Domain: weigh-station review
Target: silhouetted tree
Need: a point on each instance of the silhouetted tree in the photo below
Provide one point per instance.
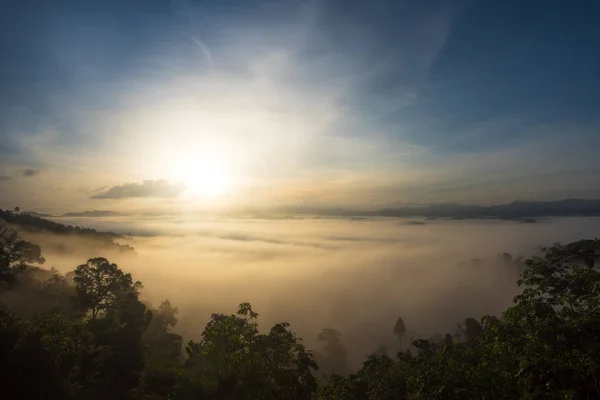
(117, 320)
(100, 285)
(16, 254)
(235, 361)
(399, 329)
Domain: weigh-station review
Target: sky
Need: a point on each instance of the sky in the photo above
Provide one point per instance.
(163, 104)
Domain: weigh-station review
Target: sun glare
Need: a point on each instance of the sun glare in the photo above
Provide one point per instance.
(205, 176)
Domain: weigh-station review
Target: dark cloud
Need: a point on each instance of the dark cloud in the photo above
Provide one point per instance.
(159, 189)
(31, 172)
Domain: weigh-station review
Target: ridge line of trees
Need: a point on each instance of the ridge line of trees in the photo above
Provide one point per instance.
(34, 223)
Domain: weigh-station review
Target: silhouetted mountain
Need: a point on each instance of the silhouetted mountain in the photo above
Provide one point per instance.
(30, 223)
(514, 210)
(35, 214)
(524, 211)
(95, 213)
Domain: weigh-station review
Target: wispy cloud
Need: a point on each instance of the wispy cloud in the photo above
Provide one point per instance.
(327, 102)
(158, 189)
(31, 172)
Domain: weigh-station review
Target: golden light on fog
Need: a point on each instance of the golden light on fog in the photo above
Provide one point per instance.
(206, 176)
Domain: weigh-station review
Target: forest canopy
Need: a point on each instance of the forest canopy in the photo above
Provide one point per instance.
(87, 334)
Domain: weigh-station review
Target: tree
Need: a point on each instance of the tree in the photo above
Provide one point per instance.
(448, 340)
(546, 346)
(163, 352)
(551, 334)
(234, 361)
(100, 285)
(400, 329)
(158, 337)
(29, 370)
(470, 330)
(117, 321)
(16, 254)
(36, 291)
(335, 360)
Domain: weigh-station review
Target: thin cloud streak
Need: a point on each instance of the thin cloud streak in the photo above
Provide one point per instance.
(31, 172)
(157, 189)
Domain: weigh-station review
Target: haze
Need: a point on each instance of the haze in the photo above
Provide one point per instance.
(356, 276)
(194, 123)
(154, 105)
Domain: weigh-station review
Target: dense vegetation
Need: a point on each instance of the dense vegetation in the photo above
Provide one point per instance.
(33, 223)
(87, 335)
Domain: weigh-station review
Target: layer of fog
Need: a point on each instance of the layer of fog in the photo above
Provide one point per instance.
(356, 276)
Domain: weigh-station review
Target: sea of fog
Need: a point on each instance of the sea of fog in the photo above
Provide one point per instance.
(356, 276)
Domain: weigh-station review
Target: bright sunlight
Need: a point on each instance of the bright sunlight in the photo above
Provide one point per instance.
(206, 176)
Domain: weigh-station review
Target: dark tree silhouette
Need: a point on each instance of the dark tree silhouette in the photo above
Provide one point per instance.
(100, 285)
(233, 360)
(16, 254)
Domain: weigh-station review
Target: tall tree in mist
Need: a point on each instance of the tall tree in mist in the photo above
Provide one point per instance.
(163, 351)
(335, 360)
(400, 330)
(470, 330)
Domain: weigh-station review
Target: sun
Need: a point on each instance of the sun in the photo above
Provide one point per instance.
(207, 176)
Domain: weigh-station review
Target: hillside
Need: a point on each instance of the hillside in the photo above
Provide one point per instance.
(28, 222)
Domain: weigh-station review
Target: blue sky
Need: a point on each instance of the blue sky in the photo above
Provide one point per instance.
(329, 102)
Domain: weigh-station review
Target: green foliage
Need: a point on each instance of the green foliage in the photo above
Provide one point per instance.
(16, 254)
(90, 337)
(38, 291)
(102, 286)
(26, 222)
(29, 369)
(116, 320)
(163, 352)
(233, 360)
(546, 346)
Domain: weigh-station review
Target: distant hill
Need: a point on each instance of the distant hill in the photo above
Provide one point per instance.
(515, 210)
(32, 223)
(35, 214)
(95, 213)
(523, 211)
